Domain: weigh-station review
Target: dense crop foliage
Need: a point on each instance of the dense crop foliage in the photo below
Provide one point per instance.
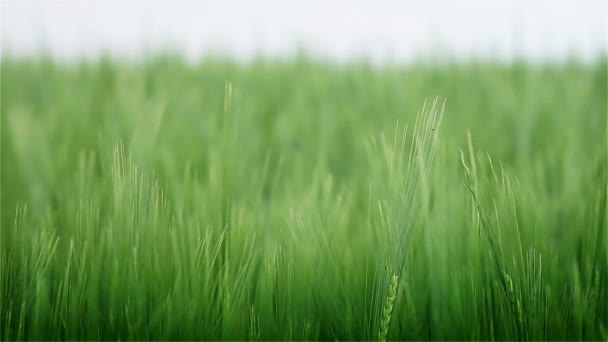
(303, 200)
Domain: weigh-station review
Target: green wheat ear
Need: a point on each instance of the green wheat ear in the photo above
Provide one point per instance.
(514, 300)
(388, 308)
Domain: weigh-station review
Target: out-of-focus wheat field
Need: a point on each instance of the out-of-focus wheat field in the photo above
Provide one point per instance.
(296, 199)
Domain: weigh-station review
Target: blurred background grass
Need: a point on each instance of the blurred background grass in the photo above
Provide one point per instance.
(222, 200)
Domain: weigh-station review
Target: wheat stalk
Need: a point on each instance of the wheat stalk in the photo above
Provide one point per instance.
(387, 309)
(515, 302)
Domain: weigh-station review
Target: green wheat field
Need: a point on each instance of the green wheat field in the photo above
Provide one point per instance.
(298, 199)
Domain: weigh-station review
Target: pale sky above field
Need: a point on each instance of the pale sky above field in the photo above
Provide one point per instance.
(382, 31)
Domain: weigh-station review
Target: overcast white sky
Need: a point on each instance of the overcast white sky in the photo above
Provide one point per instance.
(547, 30)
